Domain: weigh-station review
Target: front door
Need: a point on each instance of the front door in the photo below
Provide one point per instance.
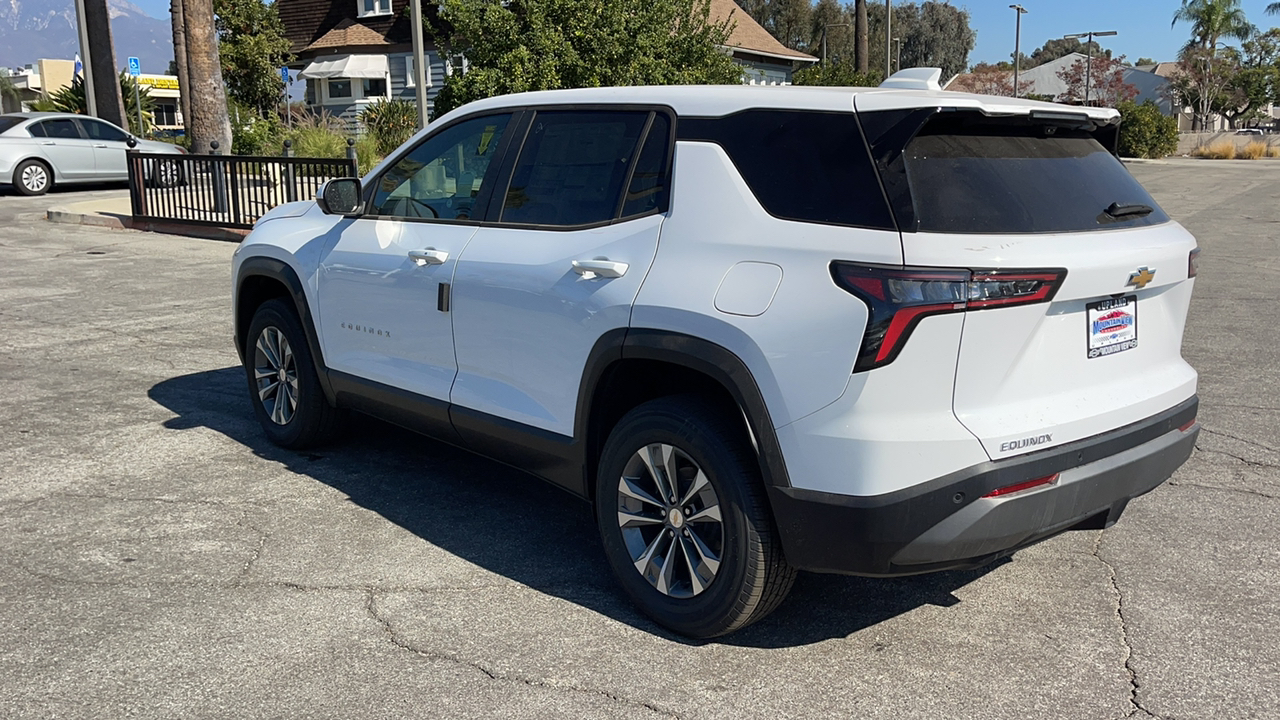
(110, 144)
(381, 302)
(577, 232)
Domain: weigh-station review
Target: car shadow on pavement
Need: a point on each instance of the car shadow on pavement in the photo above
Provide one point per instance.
(514, 525)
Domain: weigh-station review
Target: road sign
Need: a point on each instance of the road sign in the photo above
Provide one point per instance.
(284, 74)
(135, 67)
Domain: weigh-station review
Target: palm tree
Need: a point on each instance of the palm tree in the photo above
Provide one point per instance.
(1212, 20)
(209, 120)
(1273, 8)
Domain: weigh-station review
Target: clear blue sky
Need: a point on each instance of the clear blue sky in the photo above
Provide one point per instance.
(1143, 24)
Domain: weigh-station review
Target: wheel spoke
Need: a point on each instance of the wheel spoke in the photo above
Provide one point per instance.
(656, 459)
(711, 513)
(268, 352)
(266, 391)
(699, 482)
(646, 558)
(629, 488)
(706, 558)
(260, 373)
(668, 568)
(634, 520)
(695, 580)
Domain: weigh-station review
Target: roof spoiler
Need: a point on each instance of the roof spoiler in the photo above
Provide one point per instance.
(918, 78)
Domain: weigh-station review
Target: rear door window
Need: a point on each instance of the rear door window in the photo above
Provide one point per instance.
(60, 128)
(1007, 178)
(574, 167)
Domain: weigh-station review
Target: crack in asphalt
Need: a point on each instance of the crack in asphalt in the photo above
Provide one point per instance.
(166, 500)
(1246, 441)
(257, 550)
(1246, 461)
(397, 640)
(1134, 685)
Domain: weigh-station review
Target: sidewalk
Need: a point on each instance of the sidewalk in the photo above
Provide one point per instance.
(117, 213)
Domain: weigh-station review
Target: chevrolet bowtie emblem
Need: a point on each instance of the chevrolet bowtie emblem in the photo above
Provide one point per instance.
(1140, 278)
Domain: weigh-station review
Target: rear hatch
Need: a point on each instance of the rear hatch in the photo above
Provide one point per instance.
(1038, 197)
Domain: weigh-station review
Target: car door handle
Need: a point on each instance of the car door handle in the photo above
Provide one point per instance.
(600, 267)
(48, 142)
(99, 146)
(428, 256)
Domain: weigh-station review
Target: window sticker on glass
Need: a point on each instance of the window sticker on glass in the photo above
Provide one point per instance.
(1113, 325)
(485, 138)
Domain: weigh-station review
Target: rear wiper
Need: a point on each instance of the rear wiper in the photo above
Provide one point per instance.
(1116, 210)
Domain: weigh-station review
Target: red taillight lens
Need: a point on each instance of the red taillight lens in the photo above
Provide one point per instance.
(1019, 487)
(1193, 263)
(899, 298)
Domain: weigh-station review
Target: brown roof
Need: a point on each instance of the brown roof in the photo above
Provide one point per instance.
(747, 35)
(349, 33)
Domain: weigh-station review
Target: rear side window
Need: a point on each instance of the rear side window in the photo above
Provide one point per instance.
(8, 122)
(967, 177)
(573, 167)
(648, 189)
(61, 128)
(807, 166)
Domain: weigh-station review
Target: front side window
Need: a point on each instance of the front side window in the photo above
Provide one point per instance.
(98, 130)
(573, 168)
(339, 89)
(374, 7)
(442, 177)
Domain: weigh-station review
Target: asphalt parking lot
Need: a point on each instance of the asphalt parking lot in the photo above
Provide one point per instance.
(158, 559)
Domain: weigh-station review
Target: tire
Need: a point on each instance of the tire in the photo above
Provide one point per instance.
(32, 177)
(166, 174)
(679, 588)
(294, 413)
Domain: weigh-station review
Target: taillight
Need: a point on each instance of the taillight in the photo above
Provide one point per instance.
(1193, 263)
(1019, 487)
(899, 298)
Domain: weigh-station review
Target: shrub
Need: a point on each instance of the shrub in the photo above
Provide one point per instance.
(390, 123)
(252, 134)
(1223, 150)
(323, 136)
(1253, 151)
(1145, 132)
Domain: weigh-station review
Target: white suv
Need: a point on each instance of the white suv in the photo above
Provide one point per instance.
(870, 331)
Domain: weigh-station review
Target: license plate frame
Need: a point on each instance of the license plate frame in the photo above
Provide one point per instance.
(1111, 326)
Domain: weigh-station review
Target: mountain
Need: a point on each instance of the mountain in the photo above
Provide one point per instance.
(35, 29)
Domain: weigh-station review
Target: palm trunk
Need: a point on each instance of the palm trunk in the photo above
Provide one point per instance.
(180, 59)
(862, 29)
(102, 57)
(208, 100)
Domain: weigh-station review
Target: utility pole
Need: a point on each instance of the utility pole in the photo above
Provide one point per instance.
(888, 38)
(420, 68)
(1088, 49)
(1017, 46)
(90, 106)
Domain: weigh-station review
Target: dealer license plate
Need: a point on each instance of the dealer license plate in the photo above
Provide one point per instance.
(1113, 325)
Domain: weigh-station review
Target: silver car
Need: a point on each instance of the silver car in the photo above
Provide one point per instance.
(40, 150)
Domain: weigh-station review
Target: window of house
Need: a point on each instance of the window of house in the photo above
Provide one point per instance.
(311, 92)
(573, 168)
(374, 87)
(374, 7)
(339, 88)
(166, 114)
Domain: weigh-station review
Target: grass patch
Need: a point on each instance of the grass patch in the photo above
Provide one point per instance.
(1253, 151)
(1223, 150)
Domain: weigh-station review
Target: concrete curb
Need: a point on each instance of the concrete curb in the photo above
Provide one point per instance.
(121, 222)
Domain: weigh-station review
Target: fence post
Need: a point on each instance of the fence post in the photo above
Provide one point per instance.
(137, 198)
(290, 187)
(219, 182)
(351, 157)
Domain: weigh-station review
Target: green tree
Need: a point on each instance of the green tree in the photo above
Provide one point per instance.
(1144, 61)
(1062, 47)
(1212, 20)
(835, 74)
(1145, 132)
(1254, 83)
(548, 44)
(9, 95)
(933, 34)
(252, 49)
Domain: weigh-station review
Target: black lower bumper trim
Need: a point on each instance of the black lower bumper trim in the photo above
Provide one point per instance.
(827, 532)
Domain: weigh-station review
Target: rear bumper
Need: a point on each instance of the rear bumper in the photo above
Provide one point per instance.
(946, 523)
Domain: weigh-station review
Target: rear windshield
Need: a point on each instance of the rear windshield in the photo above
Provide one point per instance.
(7, 122)
(1028, 179)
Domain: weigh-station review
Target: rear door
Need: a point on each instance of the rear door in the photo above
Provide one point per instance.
(575, 234)
(62, 144)
(998, 195)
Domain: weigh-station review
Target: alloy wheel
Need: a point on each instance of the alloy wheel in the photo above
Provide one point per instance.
(669, 515)
(35, 178)
(276, 375)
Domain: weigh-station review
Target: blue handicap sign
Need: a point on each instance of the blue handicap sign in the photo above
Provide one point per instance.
(135, 67)
(284, 74)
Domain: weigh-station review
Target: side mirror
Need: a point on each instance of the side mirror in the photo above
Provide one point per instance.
(341, 196)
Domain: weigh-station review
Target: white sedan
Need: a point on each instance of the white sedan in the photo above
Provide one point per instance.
(40, 150)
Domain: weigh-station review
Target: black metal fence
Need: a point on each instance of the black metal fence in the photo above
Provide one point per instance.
(230, 191)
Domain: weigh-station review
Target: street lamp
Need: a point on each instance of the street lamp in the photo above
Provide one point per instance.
(824, 39)
(1088, 48)
(1017, 45)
